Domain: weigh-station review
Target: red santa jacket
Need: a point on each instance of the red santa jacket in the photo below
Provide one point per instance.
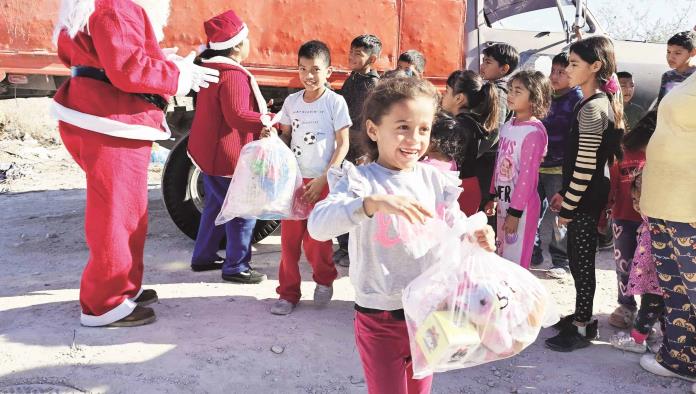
(227, 118)
(121, 41)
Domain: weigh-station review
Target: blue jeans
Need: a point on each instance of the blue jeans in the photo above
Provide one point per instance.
(549, 185)
(238, 231)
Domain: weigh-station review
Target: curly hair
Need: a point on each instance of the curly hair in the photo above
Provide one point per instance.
(539, 88)
(445, 127)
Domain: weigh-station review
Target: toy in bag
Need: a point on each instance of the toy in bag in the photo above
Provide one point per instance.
(472, 306)
(266, 184)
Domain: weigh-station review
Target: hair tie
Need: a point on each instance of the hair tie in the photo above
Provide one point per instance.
(612, 85)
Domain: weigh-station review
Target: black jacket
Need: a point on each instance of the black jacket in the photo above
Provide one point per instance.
(355, 90)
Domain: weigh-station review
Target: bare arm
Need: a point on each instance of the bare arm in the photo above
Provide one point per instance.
(285, 133)
(342, 145)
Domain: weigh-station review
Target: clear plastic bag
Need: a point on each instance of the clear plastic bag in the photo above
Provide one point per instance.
(266, 184)
(472, 307)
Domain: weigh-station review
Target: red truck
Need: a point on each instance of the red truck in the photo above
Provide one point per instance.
(451, 34)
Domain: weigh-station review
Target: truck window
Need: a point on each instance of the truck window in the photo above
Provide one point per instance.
(529, 15)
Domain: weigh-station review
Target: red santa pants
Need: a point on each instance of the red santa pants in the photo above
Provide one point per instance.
(293, 237)
(115, 221)
(385, 353)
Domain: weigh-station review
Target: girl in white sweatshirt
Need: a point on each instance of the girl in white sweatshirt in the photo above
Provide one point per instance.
(383, 206)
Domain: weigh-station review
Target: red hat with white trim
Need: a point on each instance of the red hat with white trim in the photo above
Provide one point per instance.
(225, 31)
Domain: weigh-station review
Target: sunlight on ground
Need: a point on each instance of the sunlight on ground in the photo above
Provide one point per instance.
(54, 356)
(343, 291)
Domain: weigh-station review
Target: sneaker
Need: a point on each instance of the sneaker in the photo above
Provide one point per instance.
(212, 266)
(250, 276)
(282, 307)
(622, 317)
(139, 317)
(322, 295)
(557, 273)
(626, 342)
(146, 298)
(650, 364)
(567, 340)
(340, 257)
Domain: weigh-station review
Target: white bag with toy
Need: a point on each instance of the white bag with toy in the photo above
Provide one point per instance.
(266, 184)
(472, 307)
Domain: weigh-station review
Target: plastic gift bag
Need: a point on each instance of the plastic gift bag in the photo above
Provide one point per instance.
(266, 184)
(472, 307)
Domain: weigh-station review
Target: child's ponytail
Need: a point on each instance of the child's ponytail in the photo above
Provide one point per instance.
(489, 105)
(482, 98)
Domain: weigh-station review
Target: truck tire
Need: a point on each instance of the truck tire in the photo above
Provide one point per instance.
(182, 192)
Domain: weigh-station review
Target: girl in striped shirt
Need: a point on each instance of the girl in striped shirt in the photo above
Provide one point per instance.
(594, 141)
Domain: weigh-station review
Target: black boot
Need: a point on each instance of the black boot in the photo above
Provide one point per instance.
(570, 338)
(564, 322)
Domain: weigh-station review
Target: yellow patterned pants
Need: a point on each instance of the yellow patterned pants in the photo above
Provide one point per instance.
(674, 247)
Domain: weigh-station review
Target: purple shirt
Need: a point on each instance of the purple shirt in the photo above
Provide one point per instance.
(558, 123)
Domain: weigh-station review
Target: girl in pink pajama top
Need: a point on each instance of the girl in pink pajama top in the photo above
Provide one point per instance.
(521, 149)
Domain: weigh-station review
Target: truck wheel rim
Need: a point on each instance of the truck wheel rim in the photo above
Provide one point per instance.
(195, 188)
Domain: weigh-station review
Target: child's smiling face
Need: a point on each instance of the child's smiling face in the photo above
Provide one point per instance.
(314, 72)
(403, 134)
(359, 58)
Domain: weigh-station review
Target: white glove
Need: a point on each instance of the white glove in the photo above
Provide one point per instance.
(171, 54)
(193, 77)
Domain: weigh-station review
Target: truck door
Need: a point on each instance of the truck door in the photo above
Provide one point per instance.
(539, 29)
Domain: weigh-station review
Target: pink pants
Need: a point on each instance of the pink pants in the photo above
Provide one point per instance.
(115, 220)
(293, 238)
(383, 345)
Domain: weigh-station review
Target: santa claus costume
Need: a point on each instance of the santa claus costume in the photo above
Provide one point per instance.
(228, 116)
(109, 112)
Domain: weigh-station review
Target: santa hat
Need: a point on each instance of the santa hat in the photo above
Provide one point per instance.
(225, 31)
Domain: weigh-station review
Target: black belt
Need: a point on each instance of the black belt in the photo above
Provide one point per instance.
(99, 74)
(396, 314)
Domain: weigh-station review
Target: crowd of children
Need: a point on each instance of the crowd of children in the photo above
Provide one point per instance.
(378, 155)
(382, 156)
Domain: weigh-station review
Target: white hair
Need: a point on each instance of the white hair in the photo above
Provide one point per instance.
(74, 16)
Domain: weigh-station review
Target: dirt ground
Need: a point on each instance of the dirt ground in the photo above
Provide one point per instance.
(212, 336)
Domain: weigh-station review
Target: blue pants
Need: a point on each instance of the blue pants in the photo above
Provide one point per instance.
(674, 248)
(238, 231)
(550, 184)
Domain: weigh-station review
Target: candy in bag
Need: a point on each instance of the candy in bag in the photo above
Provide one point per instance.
(472, 306)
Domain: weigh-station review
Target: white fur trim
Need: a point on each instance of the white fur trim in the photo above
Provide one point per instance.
(114, 315)
(107, 126)
(263, 104)
(73, 17)
(232, 42)
(137, 295)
